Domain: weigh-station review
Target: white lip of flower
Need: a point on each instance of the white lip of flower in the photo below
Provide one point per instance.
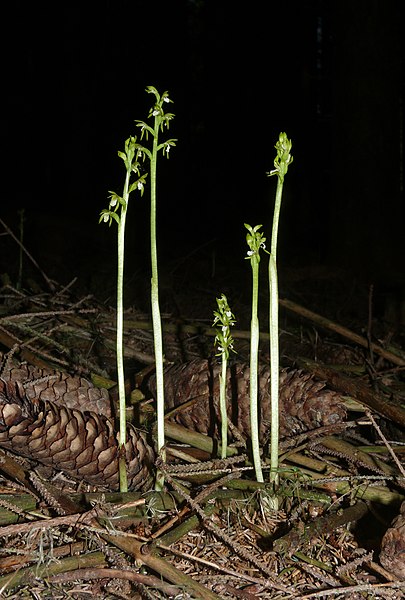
(113, 202)
(167, 148)
(166, 99)
(155, 113)
(251, 252)
(106, 218)
(140, 185)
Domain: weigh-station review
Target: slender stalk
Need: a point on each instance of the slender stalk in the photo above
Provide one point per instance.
(274, 346)
(107, 216)
(119, 342)
(161, 120)
(274, 364)
(254, 364)
(256, 241)
(281, 163)
(156, 319)
(223, 408)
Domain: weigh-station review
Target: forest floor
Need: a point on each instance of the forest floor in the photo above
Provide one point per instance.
(212, 533)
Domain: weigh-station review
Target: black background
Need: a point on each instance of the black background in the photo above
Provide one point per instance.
(330, 74)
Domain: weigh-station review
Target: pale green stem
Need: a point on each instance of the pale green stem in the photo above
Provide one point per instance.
(222, 406)
(274, 344)
(274, 372)
(120, 329)
(156, 320)
(254, 363)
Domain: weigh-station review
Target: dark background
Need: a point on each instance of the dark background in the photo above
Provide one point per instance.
(328, 73)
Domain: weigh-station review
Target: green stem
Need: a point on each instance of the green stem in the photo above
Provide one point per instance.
(120, 330)
(274, 371)
(274, 344)
(156, 320)
(222, 406)
(254, 360)
(281, 164)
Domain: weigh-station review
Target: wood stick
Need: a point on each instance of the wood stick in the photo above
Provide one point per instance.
(343, 331)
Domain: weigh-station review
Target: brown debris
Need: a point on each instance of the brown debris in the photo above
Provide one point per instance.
(392, 555)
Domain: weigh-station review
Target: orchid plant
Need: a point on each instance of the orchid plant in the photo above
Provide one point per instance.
(161, 121)
(117, 211)
(135, 153)
(281, 163)
(224, 319)
(256, 242)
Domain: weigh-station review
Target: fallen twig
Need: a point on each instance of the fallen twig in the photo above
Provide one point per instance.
(341, 330)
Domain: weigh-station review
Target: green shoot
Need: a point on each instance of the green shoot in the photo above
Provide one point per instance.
(224, 320)
(281, 164)
(255, 241)
(130, 157)
(161, 121)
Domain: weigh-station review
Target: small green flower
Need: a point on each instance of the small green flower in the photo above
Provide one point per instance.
(224, 320)
(255, 240)
(283, 158)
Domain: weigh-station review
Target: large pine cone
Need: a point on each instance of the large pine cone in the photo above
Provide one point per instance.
(392, 555)
(56, 386)
(82, 444)
(305, 404)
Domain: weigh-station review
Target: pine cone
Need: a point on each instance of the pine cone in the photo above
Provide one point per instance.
(62, 388)
(81, 444)
(305, 404)
(392, 555)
